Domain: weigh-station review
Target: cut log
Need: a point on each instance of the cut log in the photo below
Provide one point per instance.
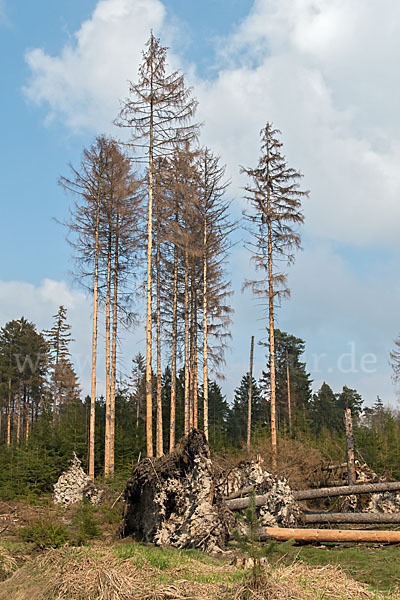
(346, 490)
(368, 518)
(330, 535)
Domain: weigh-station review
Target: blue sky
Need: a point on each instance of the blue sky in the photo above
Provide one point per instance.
(324, 71)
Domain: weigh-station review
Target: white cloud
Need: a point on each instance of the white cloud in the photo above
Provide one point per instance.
(325, 72)
(85, 82)
(321, 70)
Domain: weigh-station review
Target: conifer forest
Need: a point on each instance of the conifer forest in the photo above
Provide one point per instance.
(152, 225)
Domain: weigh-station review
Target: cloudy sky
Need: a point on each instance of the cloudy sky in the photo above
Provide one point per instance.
(325, 72)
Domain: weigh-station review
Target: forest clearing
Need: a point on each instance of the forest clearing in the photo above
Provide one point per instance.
(210, 460)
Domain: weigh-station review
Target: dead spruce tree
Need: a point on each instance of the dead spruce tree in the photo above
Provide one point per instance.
(158, 113)
(215, 228)
(121, 221)
(275, 200)
(87, 184)
(100, 219)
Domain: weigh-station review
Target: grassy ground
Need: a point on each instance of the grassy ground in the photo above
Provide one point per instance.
(89, 561)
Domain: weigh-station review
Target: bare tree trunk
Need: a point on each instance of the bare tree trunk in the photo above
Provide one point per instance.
(18, 416)
(149, 391)
(9, 414)
(159, 425)
(26, 402)
(250, 392)
(195, 369)
(272, 351)
(108, 361)
(329, 535)
(94, 340)
(191, 354)
(288, 392)
(186, 367)
(173, 359)
(351, 469)
(368, 518)
(205, 325)
(114, 356)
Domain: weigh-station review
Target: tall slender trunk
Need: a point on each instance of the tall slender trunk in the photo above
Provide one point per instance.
(272, 350)
(195, 370)
(205, 325)
(289, 402)
(191, 354)
(9, 413)
(186, 392)
(94, 339)
(18, 415)
(26, 402)
(149, 392)
(108, 359)
(173, 359)
(114, 353)
(250, 393)
(159, 426)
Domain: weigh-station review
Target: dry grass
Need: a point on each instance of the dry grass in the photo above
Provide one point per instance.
(302, 582)
(87, 574)
(102, 574)
(8, 564)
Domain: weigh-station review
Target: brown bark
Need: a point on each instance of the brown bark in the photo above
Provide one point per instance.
(186, 366)
(330, 535)
(288, 392)
(159, 427)
(18, 415)
(173, 359)
(272, 348)
(368, 518)
(191, 354)
(94, 339)
(108, 362)
(250, 391)
(9, 414)
(205, 331)
(351, 468)
(195, 371)
(114, 356)
(26, 410)
(149, 392)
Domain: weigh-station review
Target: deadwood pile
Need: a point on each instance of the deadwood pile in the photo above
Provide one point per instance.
(179, 500)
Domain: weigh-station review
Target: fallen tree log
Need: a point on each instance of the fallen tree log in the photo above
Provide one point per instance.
(344, 490)
(329, 535)
(368, 518)
(347, 490)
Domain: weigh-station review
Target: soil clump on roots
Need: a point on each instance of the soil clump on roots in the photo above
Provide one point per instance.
(178, 500)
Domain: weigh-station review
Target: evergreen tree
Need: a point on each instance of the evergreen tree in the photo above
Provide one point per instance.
(288, 352)
(158, 113)
(64, 382)
(275, 198)
(237, 420)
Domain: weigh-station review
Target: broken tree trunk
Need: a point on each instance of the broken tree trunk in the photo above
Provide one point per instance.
(329, 535)
(347, 490)
(351, 468)
(368, 518)
(344, 490)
